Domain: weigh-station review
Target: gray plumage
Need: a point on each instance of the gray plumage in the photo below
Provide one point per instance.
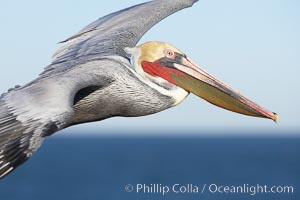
(89, 79)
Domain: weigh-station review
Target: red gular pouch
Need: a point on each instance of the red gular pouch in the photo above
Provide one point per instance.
(156, 69)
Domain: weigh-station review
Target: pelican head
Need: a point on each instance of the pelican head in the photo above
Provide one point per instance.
(172, 73)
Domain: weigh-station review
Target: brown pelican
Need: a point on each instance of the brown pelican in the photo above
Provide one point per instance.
(99, 73)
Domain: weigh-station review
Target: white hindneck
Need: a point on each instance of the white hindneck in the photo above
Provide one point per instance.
(158, 83)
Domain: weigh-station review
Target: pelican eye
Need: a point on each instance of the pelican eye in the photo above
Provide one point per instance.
(169, 53)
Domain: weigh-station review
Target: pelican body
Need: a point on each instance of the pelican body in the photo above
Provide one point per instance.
(100, 73)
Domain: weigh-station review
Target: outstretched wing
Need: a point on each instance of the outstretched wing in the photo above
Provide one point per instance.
(110, 34)
(41, 108)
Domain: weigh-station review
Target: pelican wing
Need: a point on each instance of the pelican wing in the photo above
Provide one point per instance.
(110, 34)
(30, 113)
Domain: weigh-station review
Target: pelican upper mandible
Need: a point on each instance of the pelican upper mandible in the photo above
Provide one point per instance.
(100, 73)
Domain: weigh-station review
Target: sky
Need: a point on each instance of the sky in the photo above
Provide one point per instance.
(252, 45)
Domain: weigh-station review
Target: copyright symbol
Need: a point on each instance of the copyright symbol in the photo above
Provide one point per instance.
(129, 188)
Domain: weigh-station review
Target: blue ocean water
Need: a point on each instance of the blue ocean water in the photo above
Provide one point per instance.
(96, 168)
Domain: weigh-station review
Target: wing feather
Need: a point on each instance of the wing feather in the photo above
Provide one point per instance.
(109, 35)
(16, 144)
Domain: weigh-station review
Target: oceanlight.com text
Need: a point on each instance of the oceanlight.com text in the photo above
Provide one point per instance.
(250, 189)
